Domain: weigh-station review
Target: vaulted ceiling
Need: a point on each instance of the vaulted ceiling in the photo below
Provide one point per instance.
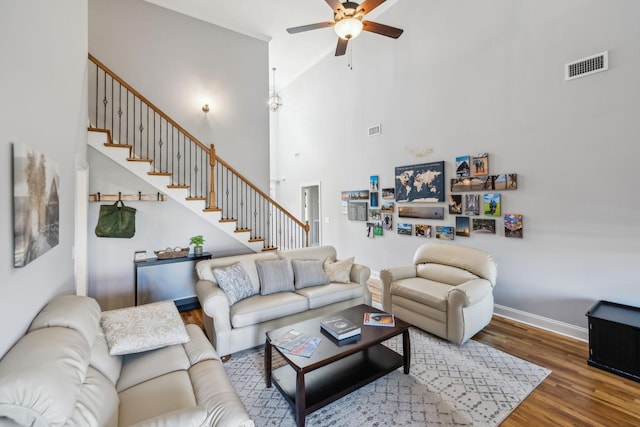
(290, 54)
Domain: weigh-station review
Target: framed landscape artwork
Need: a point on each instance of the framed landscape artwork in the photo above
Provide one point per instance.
(445, 232)
(462, 226)
(420, 183)
(36, 207)
(405, 229)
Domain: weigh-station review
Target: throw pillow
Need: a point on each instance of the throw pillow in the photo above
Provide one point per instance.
(308, 272)
(338, 271)
(142, 328)
(234, 281)
(274, 276)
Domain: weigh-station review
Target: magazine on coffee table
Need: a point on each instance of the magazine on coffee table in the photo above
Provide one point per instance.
(297, 343)
(379, 319)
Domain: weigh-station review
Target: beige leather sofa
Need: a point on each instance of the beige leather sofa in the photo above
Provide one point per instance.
(242, 325)
(447, 290)
(61, 373)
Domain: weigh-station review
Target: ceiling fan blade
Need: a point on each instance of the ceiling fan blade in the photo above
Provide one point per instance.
(384, 30)
(310, 27)
(341, 49)
(368, 5)
(335, 5)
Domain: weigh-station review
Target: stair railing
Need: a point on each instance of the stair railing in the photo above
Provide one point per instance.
(153, 137)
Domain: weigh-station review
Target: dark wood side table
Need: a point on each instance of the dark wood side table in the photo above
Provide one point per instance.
(187, 302)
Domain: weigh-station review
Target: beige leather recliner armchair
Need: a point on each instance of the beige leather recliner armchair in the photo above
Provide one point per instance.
(447, 291)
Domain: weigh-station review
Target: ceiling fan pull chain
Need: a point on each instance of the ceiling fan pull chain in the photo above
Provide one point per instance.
(350, 64)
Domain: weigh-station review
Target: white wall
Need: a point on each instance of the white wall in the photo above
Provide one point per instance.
(158, 225)
(43, 105)
(469, 77)
(177, 62)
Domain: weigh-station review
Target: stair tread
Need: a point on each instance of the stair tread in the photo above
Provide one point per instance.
(178, 186)
(135, 159)
(160, 173)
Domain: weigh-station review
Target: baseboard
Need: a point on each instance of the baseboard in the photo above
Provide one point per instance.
(545, 323)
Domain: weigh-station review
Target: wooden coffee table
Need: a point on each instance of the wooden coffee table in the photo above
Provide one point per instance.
(333, 370)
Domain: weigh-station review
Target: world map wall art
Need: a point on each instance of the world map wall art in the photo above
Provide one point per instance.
(420, 183)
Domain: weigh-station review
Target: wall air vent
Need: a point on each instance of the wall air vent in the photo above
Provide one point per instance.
(375, 130)
(585, 66)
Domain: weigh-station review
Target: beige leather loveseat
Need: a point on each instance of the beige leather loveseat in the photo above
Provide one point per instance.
(447, 290)
(285, 287)
(61, 373)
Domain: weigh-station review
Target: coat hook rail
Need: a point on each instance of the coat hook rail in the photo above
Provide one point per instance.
(99, 197)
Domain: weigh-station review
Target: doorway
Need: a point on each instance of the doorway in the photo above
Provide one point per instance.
(310, 205)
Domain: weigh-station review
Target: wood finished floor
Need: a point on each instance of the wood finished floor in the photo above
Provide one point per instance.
(575, 394)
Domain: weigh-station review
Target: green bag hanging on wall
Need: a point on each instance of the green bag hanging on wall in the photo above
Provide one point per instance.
(116, 221)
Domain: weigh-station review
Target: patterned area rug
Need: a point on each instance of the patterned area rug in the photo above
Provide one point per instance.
(472, 385)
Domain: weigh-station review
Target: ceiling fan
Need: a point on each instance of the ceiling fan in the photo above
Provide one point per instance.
(348, 22)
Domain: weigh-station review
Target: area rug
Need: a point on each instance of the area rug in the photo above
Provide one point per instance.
(448, 385)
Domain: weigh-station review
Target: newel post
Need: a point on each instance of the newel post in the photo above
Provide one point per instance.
(212, 165)
(306, 233)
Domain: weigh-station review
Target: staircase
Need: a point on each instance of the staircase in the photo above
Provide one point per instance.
(130, 130)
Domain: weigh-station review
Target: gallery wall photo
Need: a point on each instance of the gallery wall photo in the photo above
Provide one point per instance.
(36, 208)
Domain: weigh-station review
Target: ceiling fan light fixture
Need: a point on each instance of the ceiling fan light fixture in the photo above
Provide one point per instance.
(348, 28)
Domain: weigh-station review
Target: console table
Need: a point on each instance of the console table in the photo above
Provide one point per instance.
(614, 339)
(159, 276)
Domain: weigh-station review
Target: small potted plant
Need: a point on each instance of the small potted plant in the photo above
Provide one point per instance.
(197, 242)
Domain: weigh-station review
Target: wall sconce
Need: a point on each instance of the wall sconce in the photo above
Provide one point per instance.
(205, 108)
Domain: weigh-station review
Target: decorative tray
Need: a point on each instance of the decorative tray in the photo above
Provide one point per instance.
(172, 253)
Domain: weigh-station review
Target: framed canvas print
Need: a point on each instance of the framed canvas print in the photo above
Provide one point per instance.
(455, 204)
(387, 207)
(373, 199)
(387, 221)
(444, 232)
(427, 212)
(377, 228)
(472, 204)
(462, 226)
(507, 181)
(356, 195)
(375, 214)
(357, 211)
(481, 225)
(462, 166)
(420, 183)
(491, 205)
(388, 193)
(405, 229)
(423, 230)
(480, 164)
(513, 225)
(36, 205)
(373, 183)
(369, 227)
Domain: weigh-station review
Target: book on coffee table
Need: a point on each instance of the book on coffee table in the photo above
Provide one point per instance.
(340, 327)
(379, 319)
(295, 342)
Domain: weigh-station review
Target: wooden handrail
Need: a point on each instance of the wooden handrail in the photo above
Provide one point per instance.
(263, 194)
(146, 101)
(211, 151)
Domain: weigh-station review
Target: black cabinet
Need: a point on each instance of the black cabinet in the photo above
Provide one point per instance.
(164, 279)
(614, 338)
